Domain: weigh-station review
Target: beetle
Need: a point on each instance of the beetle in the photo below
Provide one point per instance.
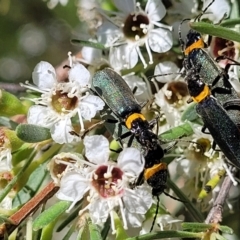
(115, 92)
(215, 118)
(117, 95)
(195, 54)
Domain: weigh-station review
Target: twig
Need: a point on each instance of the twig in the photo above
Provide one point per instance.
(28, 208)
(215, 214)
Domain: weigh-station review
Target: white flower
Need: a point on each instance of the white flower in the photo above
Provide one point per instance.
(164, 68)
(5, 152)
(5, 159)
(171, 98)
(218, 10)
(107, 183)
(87, 11)
(6, 203)
(60, 101)
(197, 166)
(142, 87)
(132, 28)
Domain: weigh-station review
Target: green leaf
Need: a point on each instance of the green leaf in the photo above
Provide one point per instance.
(10, 105)
(70, 217)
(216, 30)
(88, 44)
(32, 133)
(230, 22)
(6, 122)
(167, 234)
(34, 183)
(17, 178)
(183, 130)
(47, 231)
(225, 229)
(106, 228)
(95, 231)
(50, 214)
(197, 227)
(190, 113)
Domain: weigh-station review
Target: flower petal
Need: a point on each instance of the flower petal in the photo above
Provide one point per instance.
(91, 55)
(72, 187)
(160, 40)
(164, 68)
(155, 10)
(217, 11)
(134, 220)
(90, 105)
(138, 200)
(131, 161)
(108, 33)
(142, 94)
(78, 73)
(60, 132)
(99, 211)
(96, 148)
(126, 6)
(124, 56)
(44, 75)
(38, 115)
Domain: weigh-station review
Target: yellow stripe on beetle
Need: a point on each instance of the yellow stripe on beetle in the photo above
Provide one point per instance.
(205, 93)
(133, 117)
(198, 44)
(149, 172)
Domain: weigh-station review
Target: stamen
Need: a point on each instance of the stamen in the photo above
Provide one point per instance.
(197, 180)
(137, 37)
(149, 52)
(112, 222)
(161, 25)
(80, 121)
(235, 183)
(70, 59)
(122, 213)
(32, 87)
(155, 84)
(141, 57)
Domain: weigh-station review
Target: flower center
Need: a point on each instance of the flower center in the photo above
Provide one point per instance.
(136, 26)
(200, 150)
(178, 91)
(107, 181)
(61, 102)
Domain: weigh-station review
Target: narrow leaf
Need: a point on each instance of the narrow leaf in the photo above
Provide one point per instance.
(199, 227)
(216, 30)
(230, 22)
(88, 44)
(95, 231)
(183, 130)
(32, 133)
(167, 234)
(190, 113)
(50, 214)
(226, 229)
